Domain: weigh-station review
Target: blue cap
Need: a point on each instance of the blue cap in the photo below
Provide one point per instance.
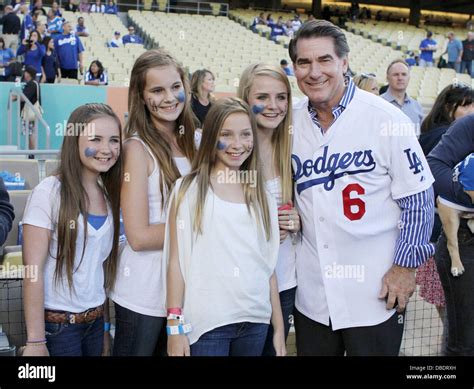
(117, 33)
(465, 172)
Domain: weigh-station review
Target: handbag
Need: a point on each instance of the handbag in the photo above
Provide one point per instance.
(28, 114)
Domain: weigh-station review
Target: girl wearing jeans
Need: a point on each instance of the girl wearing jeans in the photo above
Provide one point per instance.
(71, 232)
(222, 245)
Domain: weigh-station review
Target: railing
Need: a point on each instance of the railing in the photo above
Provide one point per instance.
(165, 6)
(16, 95)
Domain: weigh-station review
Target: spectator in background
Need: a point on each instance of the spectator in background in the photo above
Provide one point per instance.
(6, 213)
(259, 20)
(454, 50)
(16, 4)
(96, 74)
(38, 6)
(42, 28)
(288, 28)
(34, 52)
(296, 23)
(32, 92)
(367, 82)
(27, 25)
(202, 86)
(111, 8)
(84, 6)
(11, 28)
(326, 14)
(56, 9)
(55, 24)
(277, 29)
(454, 102)
(6, 58)
(81, 29)
(69, 49)
(98, 7)
(71, 6)
(270, 19)
(468, 54)
(286, 67)
(117, 41)
(50, 63)
(427, 46)
(131, 37)
(411, 59)
(398, 77)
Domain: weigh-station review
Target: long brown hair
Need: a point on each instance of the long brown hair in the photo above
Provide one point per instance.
(255, 195)
(74, 199)
(140, 123)
(196, 83)
(281, 137)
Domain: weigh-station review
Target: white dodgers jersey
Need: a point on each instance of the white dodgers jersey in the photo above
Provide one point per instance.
(346, 184)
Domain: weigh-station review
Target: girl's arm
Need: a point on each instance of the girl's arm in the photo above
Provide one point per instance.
(106, 347)
(35, 252)
(178, 345)
(277, 319)
(141, 235)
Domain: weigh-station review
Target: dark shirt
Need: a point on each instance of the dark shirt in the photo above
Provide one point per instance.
(50, 65)
(71, 7)
(11, 23)
(455, 145)
(6, 213)
(468, 50)
(428, 140)
(31, 90)
(199, 110)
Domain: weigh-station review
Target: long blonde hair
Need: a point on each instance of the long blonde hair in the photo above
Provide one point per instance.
(140, 123)
(282, 135)
(74, 199)
(255, 195)
(196, 83)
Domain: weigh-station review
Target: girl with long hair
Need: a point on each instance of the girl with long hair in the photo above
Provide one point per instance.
(158, 149)
(267, 90)
(71, 234)
(222, 245)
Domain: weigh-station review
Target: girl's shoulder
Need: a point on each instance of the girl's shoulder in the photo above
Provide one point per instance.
(49, 184)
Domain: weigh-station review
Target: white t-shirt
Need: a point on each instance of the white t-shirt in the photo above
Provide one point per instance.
(226, 269)
(42, 210)
(140, 284)
(286, 265)
(347, 181)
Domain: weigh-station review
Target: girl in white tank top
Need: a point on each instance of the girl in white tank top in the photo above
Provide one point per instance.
(158, 149)
(267, 90)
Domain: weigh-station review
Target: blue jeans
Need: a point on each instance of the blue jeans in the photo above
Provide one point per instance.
(287, 302)
(235, 340)
(75, 340)
(459, 293)
(135, 334)
(455, 65)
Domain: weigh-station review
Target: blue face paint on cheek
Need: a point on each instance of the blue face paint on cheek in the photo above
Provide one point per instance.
(221, 145)
(256, 109)
(90, 152)
(181, 96)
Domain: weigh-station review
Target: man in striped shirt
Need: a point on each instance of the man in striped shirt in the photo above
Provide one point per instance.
(364, 193)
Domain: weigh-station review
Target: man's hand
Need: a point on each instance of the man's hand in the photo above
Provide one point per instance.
(398, 284)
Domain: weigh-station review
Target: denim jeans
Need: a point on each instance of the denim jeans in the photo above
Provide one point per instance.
(75, 340)
(136, 334)
(459, 293)
(287, 302)
(235, 340)
(455, 65)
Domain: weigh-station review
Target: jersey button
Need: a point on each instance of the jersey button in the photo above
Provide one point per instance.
(321, 219)
(326, 246)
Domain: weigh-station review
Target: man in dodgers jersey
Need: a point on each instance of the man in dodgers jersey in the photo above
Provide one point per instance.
(364, 193)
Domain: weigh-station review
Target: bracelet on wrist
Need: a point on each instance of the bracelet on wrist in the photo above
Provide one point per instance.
(174, 311)
(180, 329)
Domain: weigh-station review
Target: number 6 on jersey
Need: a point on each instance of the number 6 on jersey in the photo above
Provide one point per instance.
(354, 208)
